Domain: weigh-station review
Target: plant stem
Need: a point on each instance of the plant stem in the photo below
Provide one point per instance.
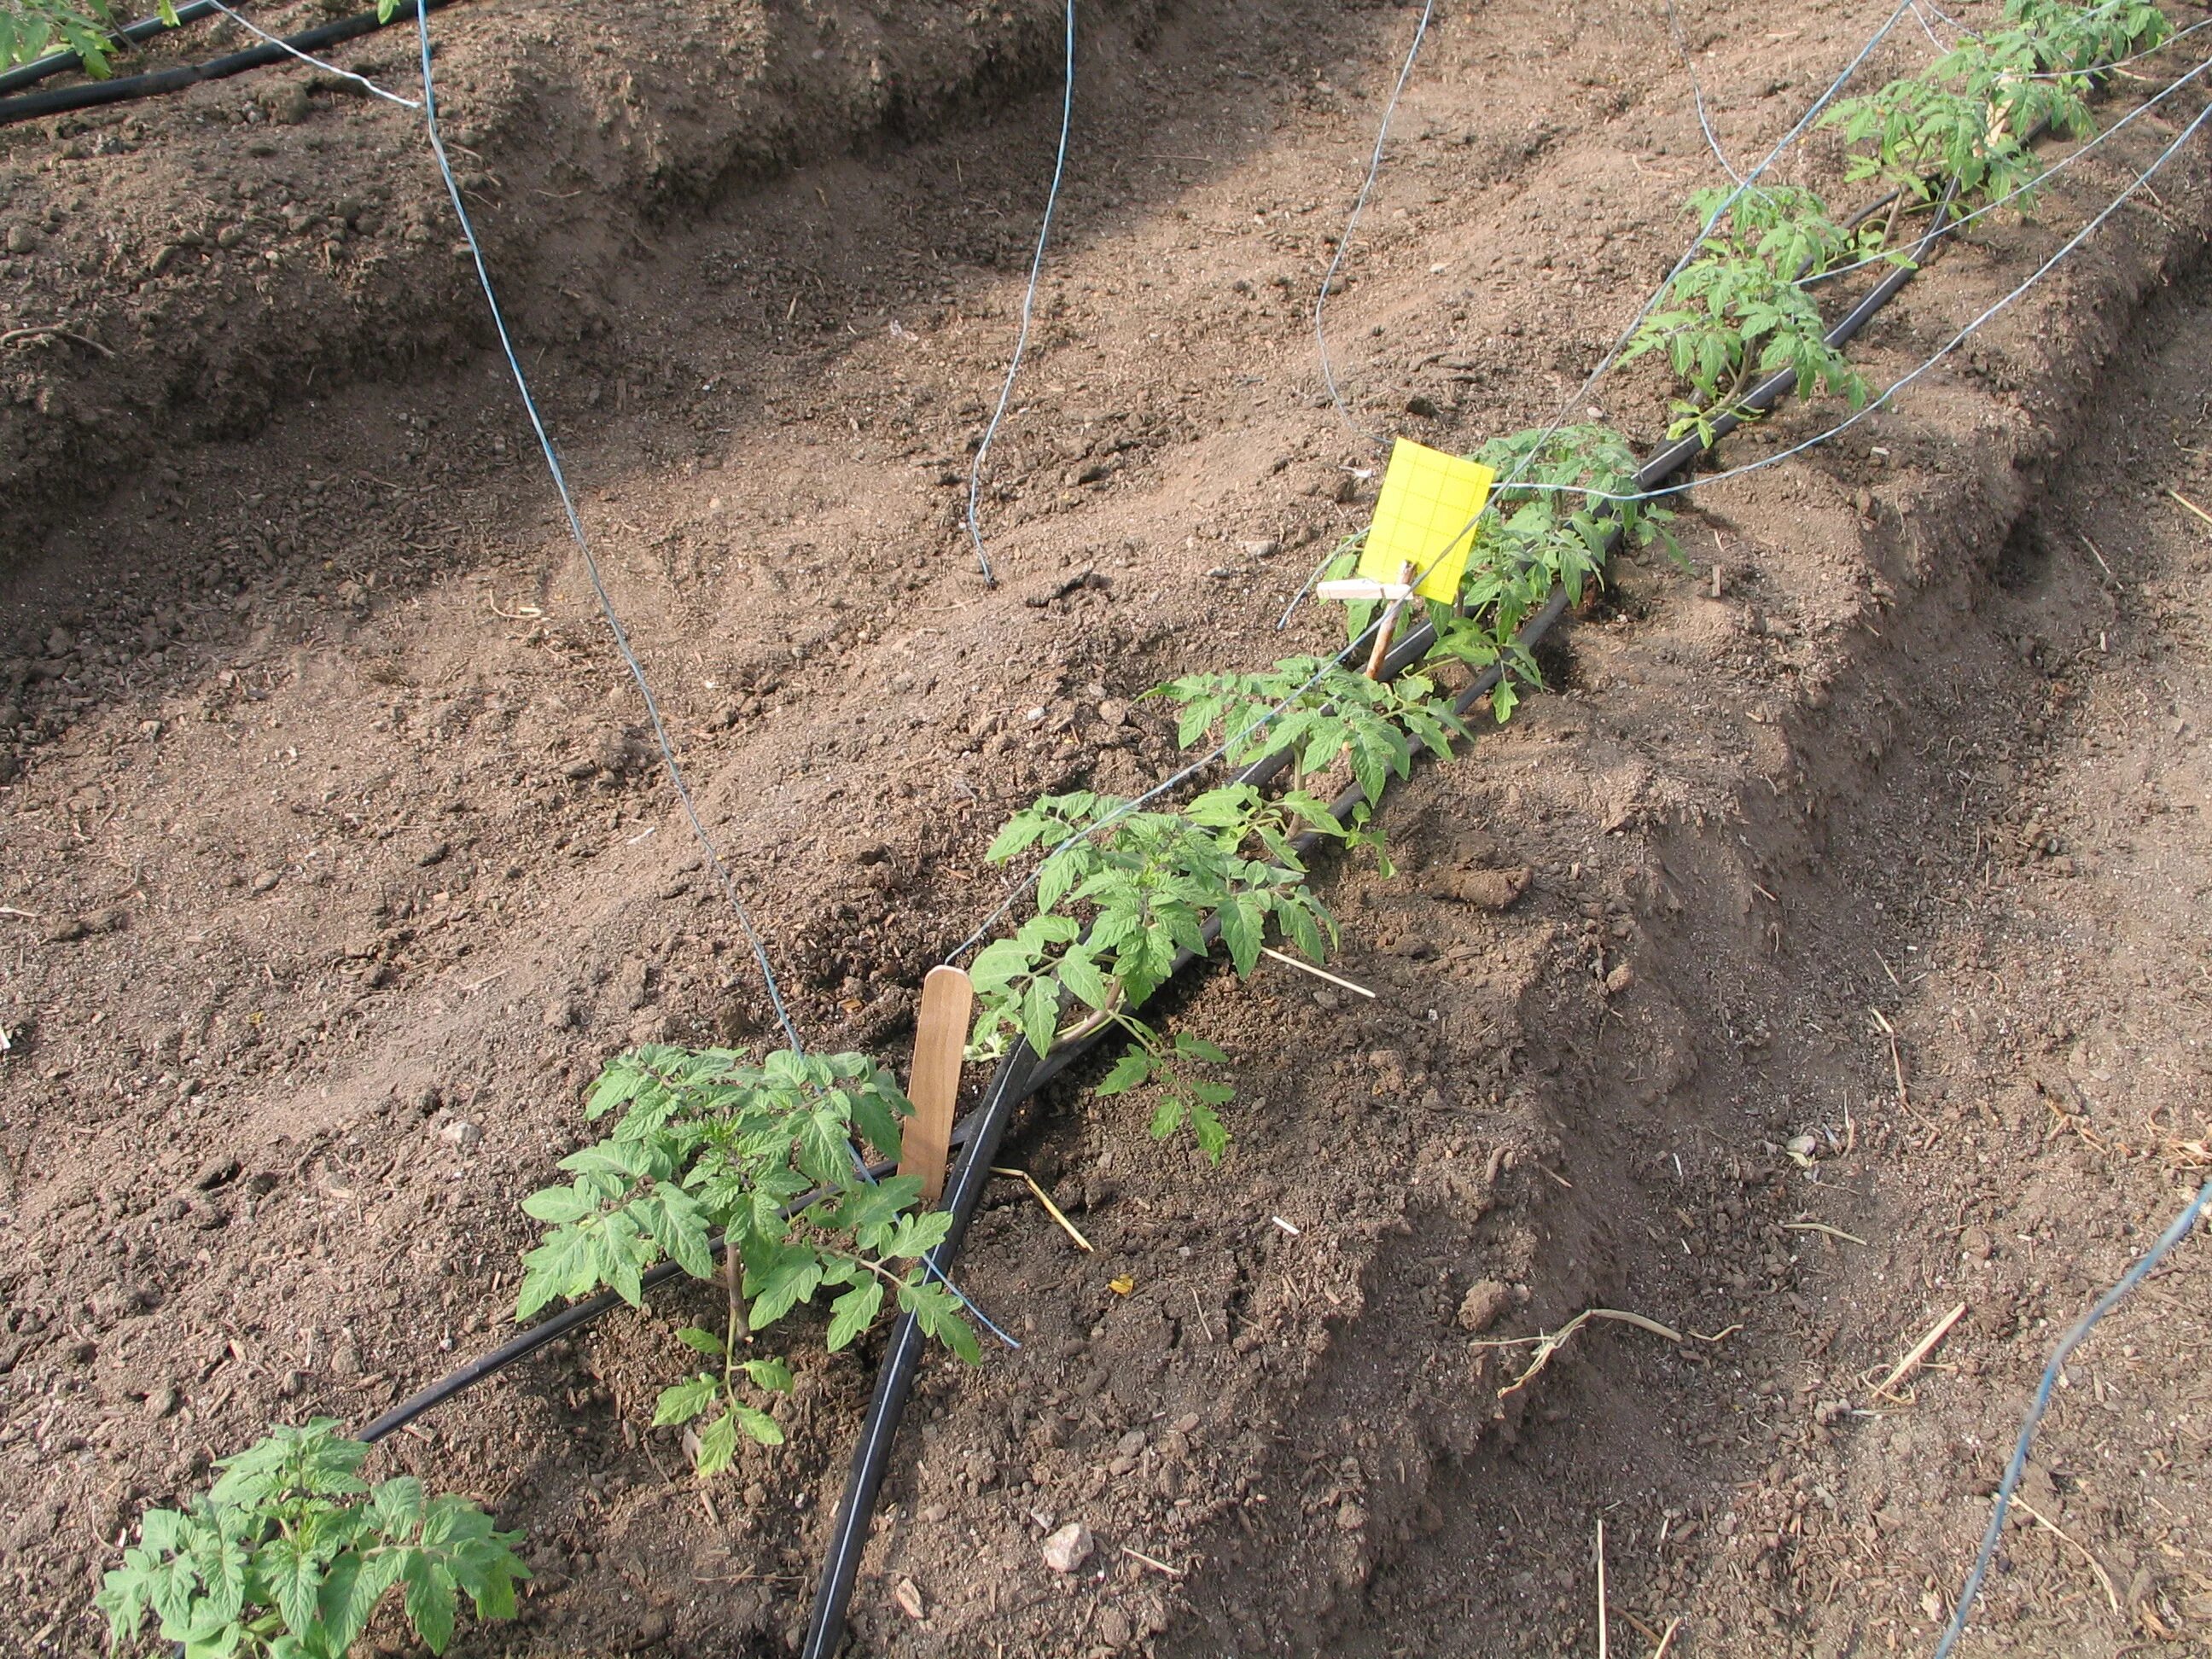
(735, 1330)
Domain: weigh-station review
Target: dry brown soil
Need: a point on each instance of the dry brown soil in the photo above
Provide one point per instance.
(335, 859)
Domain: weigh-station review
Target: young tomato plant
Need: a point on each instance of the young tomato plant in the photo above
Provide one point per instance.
(1537, 533)
(1318, 713)
(708, 1144)
(1147, 884)
(288, 1555)
(2079, 39)
(1736, 313)
(1961, 126)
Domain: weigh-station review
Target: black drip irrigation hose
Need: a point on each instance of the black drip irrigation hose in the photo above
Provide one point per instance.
(59, 63)
(1021, 1073)
(575, 1316)
(32, 105)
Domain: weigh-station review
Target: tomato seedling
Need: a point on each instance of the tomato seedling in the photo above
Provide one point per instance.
(708, 1144)
(288, 1554)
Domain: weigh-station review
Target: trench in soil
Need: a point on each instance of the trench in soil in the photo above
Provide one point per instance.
(342, 850)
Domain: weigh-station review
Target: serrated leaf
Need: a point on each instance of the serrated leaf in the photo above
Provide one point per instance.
(853, 1312)
(1207, 1129)
(559, 1204)
(718, 1445)
(770, 1373)
(671, 1218)
(682, 1401)
(791, 1280)
(428, 1598)
(706, 1342)
(1080, 974)
(291, 1575)
(1167, 1118)
(757, 1425)
(1132, 1069)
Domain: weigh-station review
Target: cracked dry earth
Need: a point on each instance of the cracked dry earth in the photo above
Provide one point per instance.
(337, 859)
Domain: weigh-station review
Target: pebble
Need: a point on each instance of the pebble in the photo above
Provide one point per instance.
(1114, 1628)
(460, 1133)
(21, 239)
(1485, 1300)
(1068, 1548)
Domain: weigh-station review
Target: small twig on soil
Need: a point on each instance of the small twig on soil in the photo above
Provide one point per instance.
(53, 332)
(1205, 1328)
(1667, 1642)
(1295, 1232)
(21, 915)
(2096, 1567)
(1823, 1227)
(1050, 1208)
(1921, 1350)
(2100, 558)
(1896, 1058)
(1602, 1647)
(1891, 971)
(1156, 1565)
(1308, 968)
(2190, 505)
(524, 613)
(1551, 1343)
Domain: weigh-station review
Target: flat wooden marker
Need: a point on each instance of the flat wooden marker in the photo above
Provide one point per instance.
(940, 1040)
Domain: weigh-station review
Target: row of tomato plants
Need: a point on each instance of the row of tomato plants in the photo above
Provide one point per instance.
(289, 1553)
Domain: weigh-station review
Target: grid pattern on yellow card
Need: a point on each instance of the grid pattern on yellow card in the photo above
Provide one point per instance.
(1427, 497)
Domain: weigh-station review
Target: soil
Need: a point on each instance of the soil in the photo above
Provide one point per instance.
(1825, 954)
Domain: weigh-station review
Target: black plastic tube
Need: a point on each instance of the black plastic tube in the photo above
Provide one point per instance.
(573, 1317)
(32, 105)
(1012, 1082)
(1021, 1073)
(59, 63)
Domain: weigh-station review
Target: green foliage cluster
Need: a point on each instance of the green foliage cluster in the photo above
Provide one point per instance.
(1119, 895)
(1962, 126)
(1736, 313)
(29, 29)
(1561, 498)
(708, 1144)
(288, 1554)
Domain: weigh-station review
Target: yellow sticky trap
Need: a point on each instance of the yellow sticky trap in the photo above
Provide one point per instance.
(1427, 496)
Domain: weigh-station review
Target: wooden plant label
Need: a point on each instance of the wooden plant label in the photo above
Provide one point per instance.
(940, 1038)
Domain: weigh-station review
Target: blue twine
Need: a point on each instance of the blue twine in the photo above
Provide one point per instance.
(584, 546)
(1344, 241)
(1029, 305)
(2018, 1465)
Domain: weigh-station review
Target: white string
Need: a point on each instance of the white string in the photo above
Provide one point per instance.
(1344, 241)
(1029, 306)
(252, 27)
(1697, 92)
(429, 108)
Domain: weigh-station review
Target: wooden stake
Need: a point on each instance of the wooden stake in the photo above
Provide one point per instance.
(940, 1039)
(1390, 623)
